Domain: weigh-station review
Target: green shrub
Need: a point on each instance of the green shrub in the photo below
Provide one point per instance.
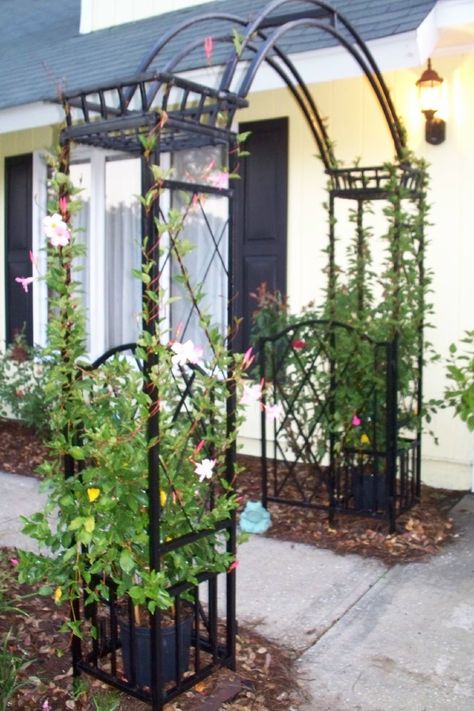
(22, 378)
(460, 392)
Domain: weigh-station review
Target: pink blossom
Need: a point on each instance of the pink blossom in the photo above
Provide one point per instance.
(25, 282)
(248, 358)
(252, 393)
(274, 411)
(233, 566)
(185, 353)
(199, 446)
(205, 469)
(220, 179)
(208, 47)
(63, 204)
(33, 259)
(356, 421)
(45, 706)
(56, 230)
(14, 562)
(298, 344)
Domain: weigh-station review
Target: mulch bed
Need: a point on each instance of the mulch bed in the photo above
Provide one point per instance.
(265, 671)
(265, 679)
(421, 532)
(21, 451)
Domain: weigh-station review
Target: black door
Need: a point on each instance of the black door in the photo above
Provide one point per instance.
(260, 218)
(18, 210)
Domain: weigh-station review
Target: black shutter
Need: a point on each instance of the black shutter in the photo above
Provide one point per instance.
(18, 232)
(261, 217)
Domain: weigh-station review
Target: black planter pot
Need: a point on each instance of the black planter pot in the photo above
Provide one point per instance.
(142, 651)
(369, 491)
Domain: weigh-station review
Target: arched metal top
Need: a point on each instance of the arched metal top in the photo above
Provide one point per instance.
(201, 112)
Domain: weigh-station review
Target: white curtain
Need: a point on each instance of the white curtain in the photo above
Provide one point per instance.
(122, 297)
(122, 289)
(115, 289)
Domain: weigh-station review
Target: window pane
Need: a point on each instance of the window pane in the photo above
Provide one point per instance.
(122, 251)
(206, 228)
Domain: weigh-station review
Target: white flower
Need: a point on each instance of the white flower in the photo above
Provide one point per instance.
(205, 469)
(252, 393)
(274, 411)
(56, 230)
(186, 352)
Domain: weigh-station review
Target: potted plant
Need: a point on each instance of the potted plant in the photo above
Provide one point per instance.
(96, 530)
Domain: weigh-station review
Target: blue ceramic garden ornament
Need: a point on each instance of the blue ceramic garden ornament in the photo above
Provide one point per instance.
(255, 518)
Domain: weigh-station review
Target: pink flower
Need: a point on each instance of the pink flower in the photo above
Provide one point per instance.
(205, 469)
(274, 411)
(63, 204)
(56, 230)
(14, 562)
(45, 706)
(199, 446)
(25, 282)
(219, 179)
(233, 566)
(298, 344)
(248, 358)
(208, 47)
(252, 393)
(186, 352)
(33, 259)
(356, 421)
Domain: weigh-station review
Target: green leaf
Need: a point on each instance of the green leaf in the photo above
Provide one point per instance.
(126, 561)
(76, 523)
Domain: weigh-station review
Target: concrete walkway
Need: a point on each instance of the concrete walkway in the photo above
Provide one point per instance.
(368, 638)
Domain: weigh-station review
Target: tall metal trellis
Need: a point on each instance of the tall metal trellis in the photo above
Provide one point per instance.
(162, 99)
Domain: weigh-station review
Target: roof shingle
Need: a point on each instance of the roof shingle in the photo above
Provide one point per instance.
(42, 51)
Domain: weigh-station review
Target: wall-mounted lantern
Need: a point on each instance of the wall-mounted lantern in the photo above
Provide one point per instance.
(429, 86)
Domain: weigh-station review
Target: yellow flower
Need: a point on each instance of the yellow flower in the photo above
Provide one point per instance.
(364, 439)
(58, 593)
(163, 497)
(93, 494)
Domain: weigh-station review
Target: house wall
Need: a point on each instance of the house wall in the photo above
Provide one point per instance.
(356, 126)
(12, 144)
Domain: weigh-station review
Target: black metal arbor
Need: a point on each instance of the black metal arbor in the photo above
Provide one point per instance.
(161, 99)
